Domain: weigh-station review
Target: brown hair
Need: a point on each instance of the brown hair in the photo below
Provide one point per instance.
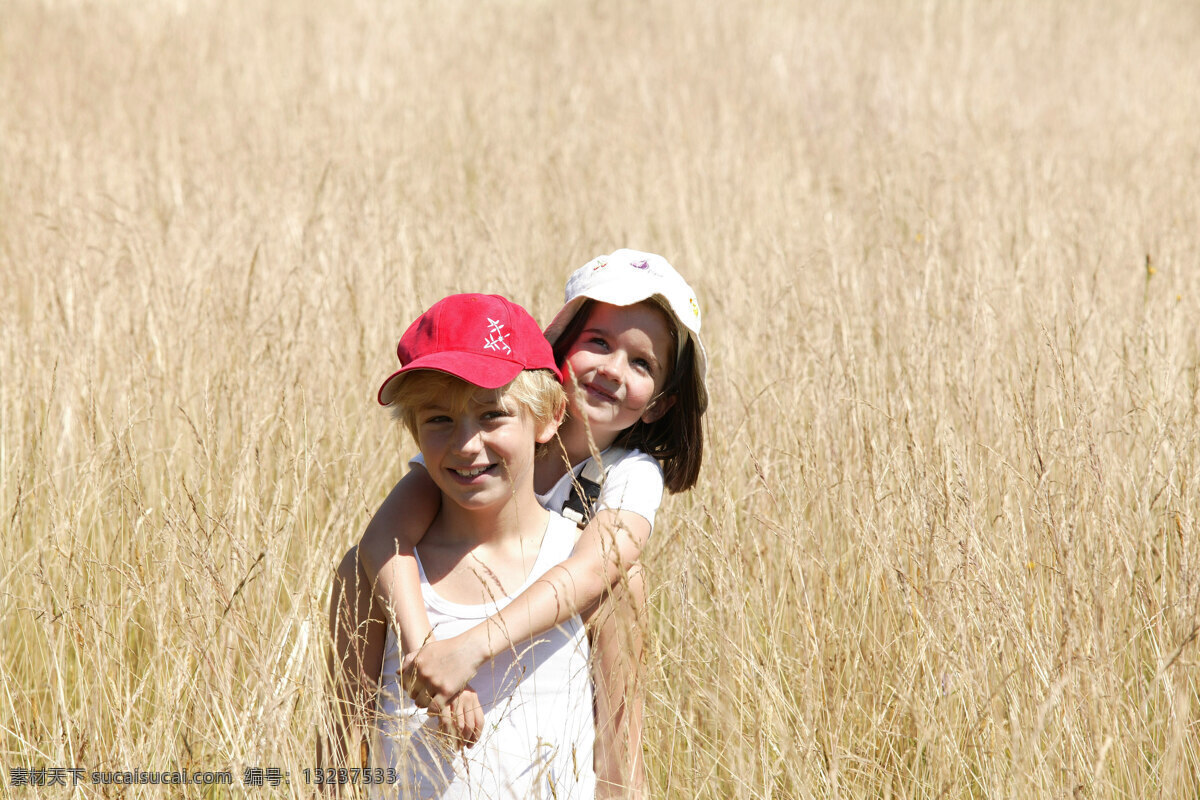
(676, 439)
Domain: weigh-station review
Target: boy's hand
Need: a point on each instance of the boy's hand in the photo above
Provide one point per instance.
(461, 719)
(438, 671)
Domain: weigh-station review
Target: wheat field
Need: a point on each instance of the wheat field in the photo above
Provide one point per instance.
(945, 540)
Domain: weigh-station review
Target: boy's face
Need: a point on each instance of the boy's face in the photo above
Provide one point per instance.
(477, 451)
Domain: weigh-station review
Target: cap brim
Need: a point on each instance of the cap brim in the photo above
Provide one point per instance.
(479, 370)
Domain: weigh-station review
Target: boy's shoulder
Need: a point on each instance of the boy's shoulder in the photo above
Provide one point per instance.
(560, 538)
(558, 526)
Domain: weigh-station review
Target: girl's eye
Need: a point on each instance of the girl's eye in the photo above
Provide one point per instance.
(437, 419)
(642, 364)
(598, 341)
(495, 414)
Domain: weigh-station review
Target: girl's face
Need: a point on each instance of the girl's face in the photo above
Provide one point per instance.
(617, 366)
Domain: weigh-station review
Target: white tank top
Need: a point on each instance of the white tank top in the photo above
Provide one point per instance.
(537, 702)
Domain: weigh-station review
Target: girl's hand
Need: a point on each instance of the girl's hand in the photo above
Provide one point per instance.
(462, 718)
(438, 671)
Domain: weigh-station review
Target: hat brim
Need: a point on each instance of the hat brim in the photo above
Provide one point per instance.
(479, 370)
(563, 318)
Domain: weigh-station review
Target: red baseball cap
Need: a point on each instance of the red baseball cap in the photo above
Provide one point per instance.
(483, 339)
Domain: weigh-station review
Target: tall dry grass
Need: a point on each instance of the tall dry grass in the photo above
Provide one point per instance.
(945, 541)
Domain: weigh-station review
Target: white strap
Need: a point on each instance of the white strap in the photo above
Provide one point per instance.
(594, 472)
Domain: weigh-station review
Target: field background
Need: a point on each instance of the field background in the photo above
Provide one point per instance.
(945, 542)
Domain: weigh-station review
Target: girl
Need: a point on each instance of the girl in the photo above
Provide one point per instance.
(627, 340)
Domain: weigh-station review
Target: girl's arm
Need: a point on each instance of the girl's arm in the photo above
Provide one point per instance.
(386, 551)
(609, 545)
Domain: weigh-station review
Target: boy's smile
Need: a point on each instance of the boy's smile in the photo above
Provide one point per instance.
(474, 472)
(477, 451)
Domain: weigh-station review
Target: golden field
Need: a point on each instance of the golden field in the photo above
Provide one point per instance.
(945, 542)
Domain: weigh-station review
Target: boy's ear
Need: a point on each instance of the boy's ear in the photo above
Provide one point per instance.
(547, 430)
(660, 406)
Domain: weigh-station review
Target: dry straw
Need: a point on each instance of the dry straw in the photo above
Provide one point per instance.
(944, 545)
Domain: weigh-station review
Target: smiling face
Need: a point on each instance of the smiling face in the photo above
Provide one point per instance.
(617, 366)
(478, 444)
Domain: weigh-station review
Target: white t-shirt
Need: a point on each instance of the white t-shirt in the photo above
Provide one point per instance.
(537, 701)
(634, 483)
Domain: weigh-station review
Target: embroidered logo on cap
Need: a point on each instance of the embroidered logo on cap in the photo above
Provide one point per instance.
(494, 339)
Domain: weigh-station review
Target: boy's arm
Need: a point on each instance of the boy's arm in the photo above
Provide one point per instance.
(386, 552)
(608, 546)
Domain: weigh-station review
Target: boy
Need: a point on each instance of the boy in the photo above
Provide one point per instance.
(479, 391)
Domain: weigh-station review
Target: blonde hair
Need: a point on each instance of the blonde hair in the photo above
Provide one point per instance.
(536, 391)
